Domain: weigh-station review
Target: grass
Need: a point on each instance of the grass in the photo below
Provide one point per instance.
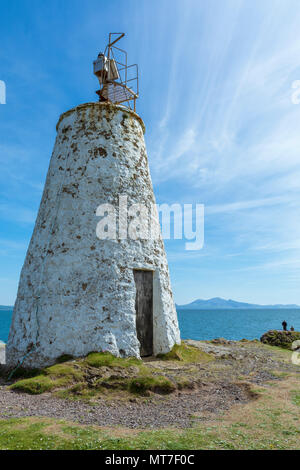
(186, 353)
(184, 383)
(36, 385)
(143, 384)
(269, 423)
(296, 397)
(99, 373)
(279, 374)
(57, 376)
(282, 353)
(48, 434)
(97, 359)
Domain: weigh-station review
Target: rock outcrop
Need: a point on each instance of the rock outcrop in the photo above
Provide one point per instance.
(283, 339)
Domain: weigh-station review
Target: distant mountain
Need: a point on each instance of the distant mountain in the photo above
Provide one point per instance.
(218, 303)
(6, 307)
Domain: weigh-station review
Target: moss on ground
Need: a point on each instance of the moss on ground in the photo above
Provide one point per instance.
(186, 353)
(144, 384)
(184, 383)
(36, 385)
(67, 370)
(272, 421)
(96, 359)
(59, 375)
(98, 372)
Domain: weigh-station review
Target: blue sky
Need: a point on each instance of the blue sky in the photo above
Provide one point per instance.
(216, 85)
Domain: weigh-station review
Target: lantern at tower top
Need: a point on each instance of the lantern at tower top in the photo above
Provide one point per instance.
(119, 82)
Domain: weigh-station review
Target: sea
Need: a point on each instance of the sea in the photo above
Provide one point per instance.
(233, 324)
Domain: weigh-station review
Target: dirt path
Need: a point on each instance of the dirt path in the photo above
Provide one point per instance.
(176, 410)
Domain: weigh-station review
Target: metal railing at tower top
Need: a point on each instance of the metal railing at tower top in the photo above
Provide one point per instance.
(119, 82)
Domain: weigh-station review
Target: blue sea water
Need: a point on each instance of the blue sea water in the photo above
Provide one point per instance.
(234, 324)
(5, 320)
(209, 324)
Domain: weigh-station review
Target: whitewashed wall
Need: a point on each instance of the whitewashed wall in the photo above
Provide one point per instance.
(76, 292)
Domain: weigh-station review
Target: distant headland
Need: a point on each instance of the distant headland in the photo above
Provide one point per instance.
(214, 303)
(219, 303)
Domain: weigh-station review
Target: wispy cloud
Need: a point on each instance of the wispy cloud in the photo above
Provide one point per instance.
(221, 128)
(244, 205)
(17, 214)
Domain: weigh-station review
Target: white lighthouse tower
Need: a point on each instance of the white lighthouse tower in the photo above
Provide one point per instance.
(83, 288)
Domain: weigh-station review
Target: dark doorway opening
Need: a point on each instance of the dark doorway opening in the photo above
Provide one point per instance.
(144, 310)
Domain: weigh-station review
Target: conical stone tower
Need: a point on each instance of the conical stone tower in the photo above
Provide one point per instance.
(80, 293)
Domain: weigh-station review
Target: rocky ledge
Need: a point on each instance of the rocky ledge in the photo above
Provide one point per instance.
(282, 339)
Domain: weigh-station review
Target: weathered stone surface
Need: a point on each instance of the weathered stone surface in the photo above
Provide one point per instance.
(2, 353)
(77, 292)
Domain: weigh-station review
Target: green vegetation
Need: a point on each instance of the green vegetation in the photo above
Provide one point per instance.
(282, 339)
(51, 378)
(97, 359)
(93, 375)
(157, 384)
(184, 383)
(296, 397)
(36, 385)
(185, 353)
(46, 434)
(270, 421)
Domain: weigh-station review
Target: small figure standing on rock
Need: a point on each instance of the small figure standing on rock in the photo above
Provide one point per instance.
(284, 325)
(292, 328)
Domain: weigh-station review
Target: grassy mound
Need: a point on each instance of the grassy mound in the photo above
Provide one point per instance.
(104, 374)
(186, 353)
(96, 359)
(282, 339)
(159, 384)
(59, 375)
